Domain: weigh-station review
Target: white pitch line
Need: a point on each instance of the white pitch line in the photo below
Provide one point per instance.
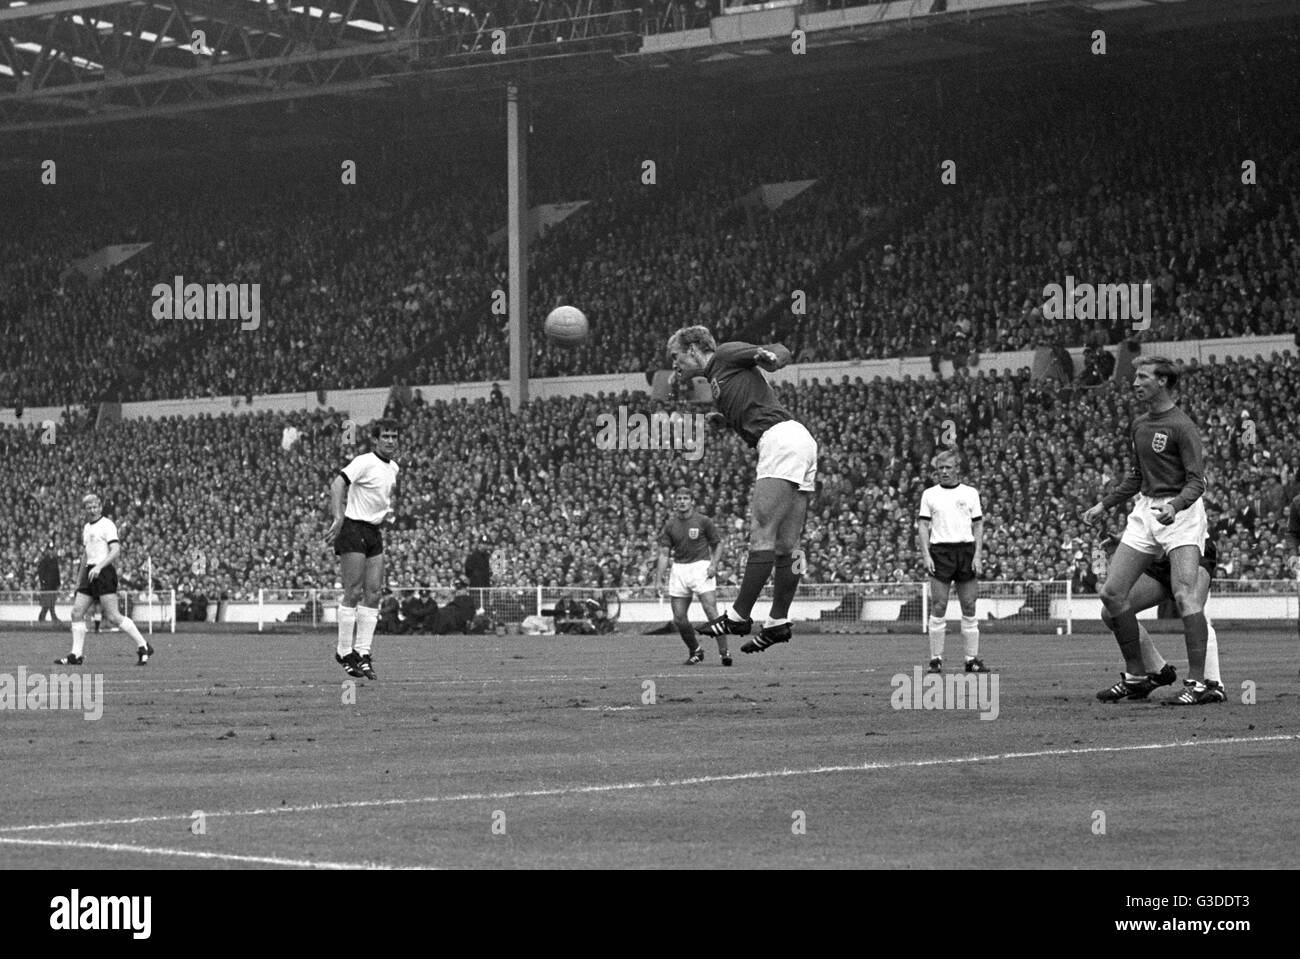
(652, 783)
(418, 683)
(191, 853)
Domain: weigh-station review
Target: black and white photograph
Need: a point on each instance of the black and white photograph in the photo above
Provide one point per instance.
(650, 435)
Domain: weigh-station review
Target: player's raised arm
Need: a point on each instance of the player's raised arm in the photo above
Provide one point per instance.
(772, 357)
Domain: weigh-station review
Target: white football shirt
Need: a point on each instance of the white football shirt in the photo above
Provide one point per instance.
(96, 537)
(951, 510)
(370, 488)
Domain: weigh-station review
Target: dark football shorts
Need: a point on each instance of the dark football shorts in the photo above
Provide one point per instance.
(953, 562)
(105, 584)
(1159, 570)
(359, 537)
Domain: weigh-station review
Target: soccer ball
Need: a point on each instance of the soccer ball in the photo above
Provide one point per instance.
(567, 325)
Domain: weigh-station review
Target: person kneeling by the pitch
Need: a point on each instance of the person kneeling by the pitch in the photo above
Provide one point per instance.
(951, 533)
(1153, 588)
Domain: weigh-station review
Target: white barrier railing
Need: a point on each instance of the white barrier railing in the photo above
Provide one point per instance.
(148, 608)
(1053, 603)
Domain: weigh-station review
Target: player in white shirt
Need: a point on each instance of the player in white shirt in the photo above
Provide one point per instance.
(98, 580)
(951, 533)
(362, 497)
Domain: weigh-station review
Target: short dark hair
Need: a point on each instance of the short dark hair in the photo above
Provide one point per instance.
(1161, 366)
(384, 426)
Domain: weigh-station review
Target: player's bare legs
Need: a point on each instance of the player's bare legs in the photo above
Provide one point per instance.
(352, 569)
(771, 500)
(938, 625)
(1125, 567)
(784, 507)
(108, 603)
(709, 602)
(785, 581)
(1184, 572)
(1144, 594)
(77, 622)
(967, 594)
(681, 606)
(368, 610)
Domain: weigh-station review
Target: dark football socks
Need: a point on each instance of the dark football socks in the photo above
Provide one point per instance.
(688, 636)
(785, 583)
(757, 569)
(1129, 638)
(1197, 630)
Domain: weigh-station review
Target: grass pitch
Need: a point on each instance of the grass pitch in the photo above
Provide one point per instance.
(504, 752)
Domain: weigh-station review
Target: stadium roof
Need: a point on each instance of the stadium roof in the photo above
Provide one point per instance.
(67, 64)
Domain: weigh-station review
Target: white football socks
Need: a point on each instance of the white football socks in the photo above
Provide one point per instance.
(78, 638)
(367, 617)
(970, 634)
(938, 629)
(1212, 655)
(1152, 661)
(347, 623)
(128, 626)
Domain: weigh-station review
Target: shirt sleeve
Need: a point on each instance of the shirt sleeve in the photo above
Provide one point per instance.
(665, 540)
(110, 531)
(925, 505)
(735, 355)
(354, 470)
(711, 533)
(1193, 455)
(1132, 481)
(977, 509)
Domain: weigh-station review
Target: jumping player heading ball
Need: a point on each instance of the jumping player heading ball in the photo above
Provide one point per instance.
(787, 470)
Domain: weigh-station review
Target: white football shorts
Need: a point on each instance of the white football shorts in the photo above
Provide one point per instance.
(690, 579)
(1145, 534)
(787, 451)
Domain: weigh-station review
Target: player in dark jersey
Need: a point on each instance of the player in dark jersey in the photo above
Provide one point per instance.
(1168, 517)
(694, 544)
(786, 478)
(1154, 587)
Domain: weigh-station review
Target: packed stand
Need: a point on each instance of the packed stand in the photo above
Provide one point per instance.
(396, 275)
(228, 505)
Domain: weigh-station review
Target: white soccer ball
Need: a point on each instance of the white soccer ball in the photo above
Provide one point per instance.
(567, 325)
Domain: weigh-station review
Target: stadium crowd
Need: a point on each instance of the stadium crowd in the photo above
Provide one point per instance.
(892, 261)
(227, 505)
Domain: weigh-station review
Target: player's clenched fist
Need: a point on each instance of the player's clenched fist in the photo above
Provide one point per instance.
(1094, 514)
(766, 359)
(1164, 514)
